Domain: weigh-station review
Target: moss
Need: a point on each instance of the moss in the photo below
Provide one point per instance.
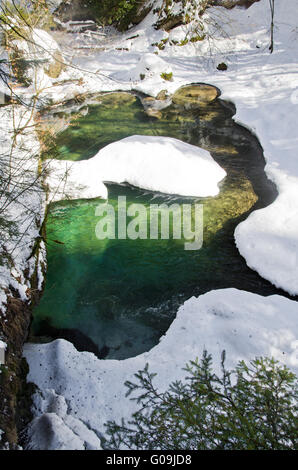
(161, 45)
(167, 76)
(197, 38)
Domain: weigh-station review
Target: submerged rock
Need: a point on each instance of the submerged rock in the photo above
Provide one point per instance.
(194, 95)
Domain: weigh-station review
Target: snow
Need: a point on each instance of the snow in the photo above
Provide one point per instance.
(159, 164)
(27, 211)
(270, 235)
(246, 325)
(149, 65)
(4, 88)
(56, 429)
(42, 49)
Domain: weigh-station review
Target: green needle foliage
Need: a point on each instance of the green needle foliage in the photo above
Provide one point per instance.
(118, 12)
(251, 407)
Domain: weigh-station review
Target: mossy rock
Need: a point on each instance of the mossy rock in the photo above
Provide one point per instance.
(195, 94)
(162, 95)
(170, 22)
(55, 68)
(222, 67)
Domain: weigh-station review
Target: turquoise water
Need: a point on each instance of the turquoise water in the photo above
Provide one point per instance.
(117, 297)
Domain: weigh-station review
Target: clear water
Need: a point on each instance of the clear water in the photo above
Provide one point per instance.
(118, 297)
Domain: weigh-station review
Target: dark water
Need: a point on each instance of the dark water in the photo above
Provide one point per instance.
(117, 297)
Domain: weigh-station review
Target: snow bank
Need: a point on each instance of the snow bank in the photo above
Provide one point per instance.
(268, 239)
(244, 324)
(41, 48)
(159, 164)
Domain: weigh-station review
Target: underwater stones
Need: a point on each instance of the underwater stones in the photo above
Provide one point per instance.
(115, 99)
(153, 113)
(153, 107)
(162, 95)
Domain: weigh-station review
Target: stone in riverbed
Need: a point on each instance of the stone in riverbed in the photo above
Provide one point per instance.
(195, 94)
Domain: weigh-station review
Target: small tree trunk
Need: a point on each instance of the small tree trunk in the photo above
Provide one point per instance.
(272, 7)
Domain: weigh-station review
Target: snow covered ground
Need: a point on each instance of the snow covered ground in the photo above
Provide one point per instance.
(264, 88)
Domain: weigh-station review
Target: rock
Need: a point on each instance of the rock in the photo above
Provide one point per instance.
(222, 66)
(50, 432)
(153, 113)
(233, 3)
(55, 67)
(195, 94)
(162, 95)
(170, 22)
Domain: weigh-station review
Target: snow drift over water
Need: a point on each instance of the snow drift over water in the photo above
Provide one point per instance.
(159, 164)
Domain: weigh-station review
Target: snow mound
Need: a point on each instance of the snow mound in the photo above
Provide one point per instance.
(41, 47)
(243, 324)
(159, 164)
(41, 53)
(55, 429)
(148, 66)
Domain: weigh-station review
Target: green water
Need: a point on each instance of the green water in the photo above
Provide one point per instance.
(124, 294)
